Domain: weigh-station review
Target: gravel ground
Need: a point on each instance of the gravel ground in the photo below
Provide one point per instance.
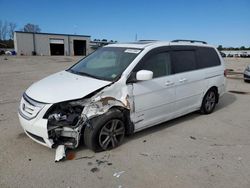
(192, 151)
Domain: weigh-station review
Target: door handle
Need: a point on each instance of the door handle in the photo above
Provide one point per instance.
(169, 83)
(183, 80)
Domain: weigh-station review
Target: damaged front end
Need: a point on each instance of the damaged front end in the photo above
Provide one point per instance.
(67, 120)
(65, 123)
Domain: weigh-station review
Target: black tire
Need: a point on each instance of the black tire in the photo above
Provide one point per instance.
(209, 101)
(106, 131)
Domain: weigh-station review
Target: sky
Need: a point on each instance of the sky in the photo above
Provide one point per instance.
(219, 22)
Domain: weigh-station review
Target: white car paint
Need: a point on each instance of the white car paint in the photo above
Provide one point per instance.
(64, 86)
(150, 102)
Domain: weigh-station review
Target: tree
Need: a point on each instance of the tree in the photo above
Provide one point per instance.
(242, 48)
(11, 30)
(31, 28)
(3, 30)
(220, 47)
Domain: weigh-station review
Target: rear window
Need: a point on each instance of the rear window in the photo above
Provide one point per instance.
(183, 60)
(207, 57)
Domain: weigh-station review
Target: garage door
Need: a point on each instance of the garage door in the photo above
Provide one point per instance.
(56, 47)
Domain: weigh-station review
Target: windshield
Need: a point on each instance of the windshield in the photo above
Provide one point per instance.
(107, 63)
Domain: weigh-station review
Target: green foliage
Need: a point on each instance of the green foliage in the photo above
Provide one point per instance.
(6, 43)
(220, 47)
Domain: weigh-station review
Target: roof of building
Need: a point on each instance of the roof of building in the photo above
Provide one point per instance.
(54, 34)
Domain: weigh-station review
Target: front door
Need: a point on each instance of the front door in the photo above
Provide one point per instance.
(154, 99)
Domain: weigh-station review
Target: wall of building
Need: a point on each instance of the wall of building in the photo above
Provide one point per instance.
(24, 43)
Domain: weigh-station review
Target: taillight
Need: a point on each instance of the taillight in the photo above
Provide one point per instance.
(225, 72)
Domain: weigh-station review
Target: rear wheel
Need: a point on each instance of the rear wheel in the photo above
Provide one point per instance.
(106, 132)
(209, 101)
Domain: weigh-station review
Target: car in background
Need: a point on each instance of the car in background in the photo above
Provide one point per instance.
(247, 74)
(244, 55)
(223, 54)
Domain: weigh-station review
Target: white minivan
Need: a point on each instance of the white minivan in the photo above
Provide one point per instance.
(121, 89)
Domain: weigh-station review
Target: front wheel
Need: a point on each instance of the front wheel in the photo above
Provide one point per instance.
(106, 132)
(209, 102)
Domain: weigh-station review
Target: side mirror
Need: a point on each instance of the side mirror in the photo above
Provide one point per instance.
(144, 75)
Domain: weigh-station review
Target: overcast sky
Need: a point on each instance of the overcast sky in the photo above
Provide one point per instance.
(225, 22)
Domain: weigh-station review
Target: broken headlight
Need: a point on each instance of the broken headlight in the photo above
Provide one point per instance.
(65, 114)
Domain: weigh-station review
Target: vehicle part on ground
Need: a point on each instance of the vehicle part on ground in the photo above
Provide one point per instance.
(60, 153)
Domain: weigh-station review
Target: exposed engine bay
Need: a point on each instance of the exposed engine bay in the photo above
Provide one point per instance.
(67, 120)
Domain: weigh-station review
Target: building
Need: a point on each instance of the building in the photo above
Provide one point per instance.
(51, 44)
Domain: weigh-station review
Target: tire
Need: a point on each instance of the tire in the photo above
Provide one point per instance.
(106, 131)
(209, 102)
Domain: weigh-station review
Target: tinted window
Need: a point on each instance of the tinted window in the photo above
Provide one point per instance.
(207, 57)
(183, 61)
(159, 64)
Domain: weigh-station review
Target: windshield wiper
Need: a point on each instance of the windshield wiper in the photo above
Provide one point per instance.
(83, 74)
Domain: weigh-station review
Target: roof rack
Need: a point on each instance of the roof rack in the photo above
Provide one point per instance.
(147, 40)
(191, 41)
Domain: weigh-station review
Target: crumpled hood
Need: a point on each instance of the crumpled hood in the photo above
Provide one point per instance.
(63, 86)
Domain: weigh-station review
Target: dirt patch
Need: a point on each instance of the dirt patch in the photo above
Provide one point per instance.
(21, 135)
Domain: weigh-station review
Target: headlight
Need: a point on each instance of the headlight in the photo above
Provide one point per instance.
(64, 114)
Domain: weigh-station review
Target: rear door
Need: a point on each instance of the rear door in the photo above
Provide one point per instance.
(189, 80)
(154, 99)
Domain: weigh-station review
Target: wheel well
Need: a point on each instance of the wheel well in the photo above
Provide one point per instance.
(129, 126)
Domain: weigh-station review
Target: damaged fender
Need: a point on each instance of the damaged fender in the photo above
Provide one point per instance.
(116, 95)
(63, 129)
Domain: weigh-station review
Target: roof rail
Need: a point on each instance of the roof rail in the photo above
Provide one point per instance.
(147, 40)
(191, 41)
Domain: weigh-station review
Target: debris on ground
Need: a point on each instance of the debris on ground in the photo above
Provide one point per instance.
(85, 157)
(70, 155)
(144, 154)
(144, 141)
(118, 174)
(95, 169)
(60, 153)
(99, 162)
(192, 137)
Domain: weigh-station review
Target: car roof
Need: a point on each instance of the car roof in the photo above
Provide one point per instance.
(156, 43)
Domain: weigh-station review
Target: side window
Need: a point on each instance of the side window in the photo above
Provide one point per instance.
(183, 61)
(159, 64)
(207, 57)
